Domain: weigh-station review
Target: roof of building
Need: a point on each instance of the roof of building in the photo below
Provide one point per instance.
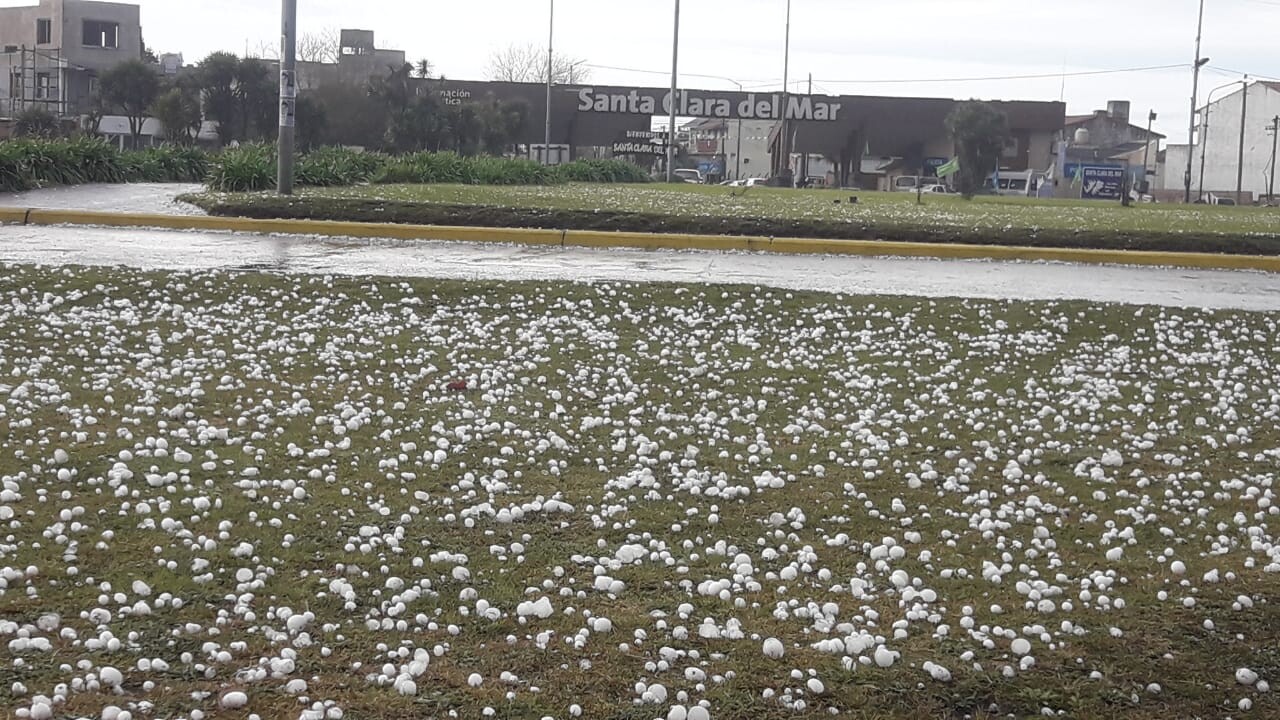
(1072, 120)
(1274, 85)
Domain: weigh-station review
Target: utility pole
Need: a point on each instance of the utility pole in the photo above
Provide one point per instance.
(675, 77)
(1195, 95)
(804, 157)
(288, 95)
(1146, 153)
(551, 36)
(1244, 115)
(784, 139)
(1275, 138)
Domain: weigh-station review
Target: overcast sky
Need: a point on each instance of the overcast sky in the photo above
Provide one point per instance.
(846, 44)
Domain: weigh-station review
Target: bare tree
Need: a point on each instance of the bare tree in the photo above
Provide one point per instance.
(320, 47)
(264, 50)
(423, 68)
(528, 64)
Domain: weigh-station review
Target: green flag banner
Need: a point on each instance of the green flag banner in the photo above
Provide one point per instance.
(951, 167)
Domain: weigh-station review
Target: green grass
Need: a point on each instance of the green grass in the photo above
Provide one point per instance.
(781, 212)
(259, 371)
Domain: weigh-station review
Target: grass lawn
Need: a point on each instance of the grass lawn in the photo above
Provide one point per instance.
(779, 212)
(224, 494)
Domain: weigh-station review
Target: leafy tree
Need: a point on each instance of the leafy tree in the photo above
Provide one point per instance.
(178, 110)
(979, 132)
(528, 64)
(350, 117)
(217, 78)
(311, 122)
(37, 122)
(257, 95)
(132, 87)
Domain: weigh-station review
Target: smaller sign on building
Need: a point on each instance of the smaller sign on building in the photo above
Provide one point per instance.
(1101, 183)
(638, 147)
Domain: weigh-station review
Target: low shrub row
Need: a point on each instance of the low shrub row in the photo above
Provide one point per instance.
(250, 168)
(32, 163)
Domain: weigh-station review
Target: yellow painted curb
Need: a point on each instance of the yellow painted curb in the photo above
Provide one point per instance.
(643, 241)
(13, 216)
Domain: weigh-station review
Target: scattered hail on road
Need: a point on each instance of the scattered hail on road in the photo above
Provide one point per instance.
(245, 495)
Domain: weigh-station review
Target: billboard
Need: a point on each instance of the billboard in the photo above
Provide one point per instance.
(1101, 182)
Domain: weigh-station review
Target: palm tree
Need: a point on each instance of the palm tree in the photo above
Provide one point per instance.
(423, 69)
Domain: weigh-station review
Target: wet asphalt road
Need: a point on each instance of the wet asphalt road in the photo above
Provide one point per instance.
(163, 249)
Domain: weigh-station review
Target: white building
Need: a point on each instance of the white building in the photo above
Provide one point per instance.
(1218, 144)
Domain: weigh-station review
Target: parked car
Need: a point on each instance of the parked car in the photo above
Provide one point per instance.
(911, 183)
(690, 175)
(746, 182)
(937, 189)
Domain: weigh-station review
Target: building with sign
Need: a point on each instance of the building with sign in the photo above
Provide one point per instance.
(842, 130)
(1106, 145)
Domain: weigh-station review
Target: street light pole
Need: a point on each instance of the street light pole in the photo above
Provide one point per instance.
(1244, 115)
(551, 36)
(1275, 144)
(675, 76)
(288, 95)
(1195, 94)
(1146, 153)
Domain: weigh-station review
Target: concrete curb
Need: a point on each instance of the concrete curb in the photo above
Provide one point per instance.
(643, 241)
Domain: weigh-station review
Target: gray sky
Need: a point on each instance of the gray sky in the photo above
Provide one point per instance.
(839, 41)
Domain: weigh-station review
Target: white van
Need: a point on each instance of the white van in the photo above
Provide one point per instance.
(1016, 184)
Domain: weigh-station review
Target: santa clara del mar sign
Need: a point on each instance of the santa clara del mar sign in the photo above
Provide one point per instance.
(709, 105)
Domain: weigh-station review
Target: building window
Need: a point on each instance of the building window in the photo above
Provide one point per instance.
(44, 31)
(43, 84)
(101, 34)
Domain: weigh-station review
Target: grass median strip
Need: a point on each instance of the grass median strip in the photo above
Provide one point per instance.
(318, 496)
(768, 212)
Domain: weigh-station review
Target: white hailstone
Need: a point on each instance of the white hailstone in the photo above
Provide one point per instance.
(296, 686)
(1114, 554)
(141, 588)
(1178, 567)
(884, 657)
(1020, 646)
(474, 680)
(1245, 704)
(1262, 686)
(815, 686)
(110, 712)
(60, 456)
(677, 712)
(232, 700)
(406, 687)
(110, 677)
(40, 710)
(1246, 676)
(697, 712)
(1112, 458)
(773, 648)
